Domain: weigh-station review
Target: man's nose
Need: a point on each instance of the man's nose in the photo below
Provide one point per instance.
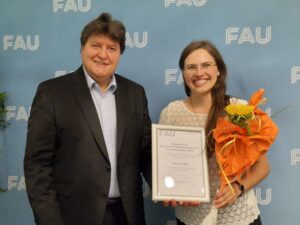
(102, 53)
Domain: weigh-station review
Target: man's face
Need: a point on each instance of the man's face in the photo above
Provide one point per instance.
(100, 57)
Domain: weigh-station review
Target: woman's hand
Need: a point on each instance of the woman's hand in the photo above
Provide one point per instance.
(226, 196)
(253, 176)
(174, 203)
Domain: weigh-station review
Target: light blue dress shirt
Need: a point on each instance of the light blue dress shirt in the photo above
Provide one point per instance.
(106, 109)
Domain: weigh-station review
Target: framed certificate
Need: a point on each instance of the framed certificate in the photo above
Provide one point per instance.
(179, 164)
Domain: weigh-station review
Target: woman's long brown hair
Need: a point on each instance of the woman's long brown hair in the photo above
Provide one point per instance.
(218, 92)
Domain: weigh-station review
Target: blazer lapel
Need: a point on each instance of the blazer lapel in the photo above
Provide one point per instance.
(121, 107)
(82, 93)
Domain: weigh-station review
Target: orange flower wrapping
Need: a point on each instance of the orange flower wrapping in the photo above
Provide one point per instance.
(236, 150)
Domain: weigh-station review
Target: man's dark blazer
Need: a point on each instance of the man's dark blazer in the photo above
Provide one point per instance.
(66, 164)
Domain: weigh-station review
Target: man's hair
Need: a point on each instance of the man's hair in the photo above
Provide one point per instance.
(107, 26)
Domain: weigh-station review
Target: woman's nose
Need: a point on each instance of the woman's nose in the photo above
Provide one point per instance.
(199, 69)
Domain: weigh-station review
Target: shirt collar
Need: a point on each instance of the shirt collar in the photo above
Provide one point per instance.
(92, 83)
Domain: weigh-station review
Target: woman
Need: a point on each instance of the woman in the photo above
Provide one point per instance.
(204, 73)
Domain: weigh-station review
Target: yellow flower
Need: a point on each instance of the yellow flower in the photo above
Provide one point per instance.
(240, 115)
(239, 109)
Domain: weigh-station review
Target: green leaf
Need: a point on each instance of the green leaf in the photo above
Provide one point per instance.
(2, 190)
(3, 122)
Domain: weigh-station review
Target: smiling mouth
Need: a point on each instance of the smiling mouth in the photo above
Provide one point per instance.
(200, 82)
(101, 63)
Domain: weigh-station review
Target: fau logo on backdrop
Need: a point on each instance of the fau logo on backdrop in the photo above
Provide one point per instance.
(60, 73)
(173, 76)
(71, 5)
(134, 40)
(269, 111)
(295, 156)
(20, 42)
(179, 3)
(16, 183)
(295, 74)
(268, 196)
(18, 113)
(248, 35)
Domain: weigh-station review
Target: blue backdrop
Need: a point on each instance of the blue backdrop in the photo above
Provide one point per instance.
(258, 39)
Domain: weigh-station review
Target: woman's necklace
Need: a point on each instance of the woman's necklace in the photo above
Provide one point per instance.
(194, 110)
(191, 105)
(200, 117)
(197, 122)
(211, 218)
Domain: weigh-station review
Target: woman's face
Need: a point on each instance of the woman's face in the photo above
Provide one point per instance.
(200, 72)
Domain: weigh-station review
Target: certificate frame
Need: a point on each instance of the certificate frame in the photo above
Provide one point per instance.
(173, 152)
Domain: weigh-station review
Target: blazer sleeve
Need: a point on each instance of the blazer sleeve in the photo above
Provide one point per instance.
(39, 159)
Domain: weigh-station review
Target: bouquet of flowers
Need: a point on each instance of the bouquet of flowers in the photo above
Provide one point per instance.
(242, 137)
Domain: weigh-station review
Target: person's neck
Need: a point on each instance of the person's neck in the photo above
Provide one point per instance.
(200, 103)
(103, 84)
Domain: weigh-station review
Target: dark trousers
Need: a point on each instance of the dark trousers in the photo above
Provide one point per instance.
(255, 222)
(114, 213)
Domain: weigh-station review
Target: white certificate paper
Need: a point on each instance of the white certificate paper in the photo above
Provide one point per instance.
(179, 163)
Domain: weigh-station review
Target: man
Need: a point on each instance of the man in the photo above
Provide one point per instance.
(89, 139)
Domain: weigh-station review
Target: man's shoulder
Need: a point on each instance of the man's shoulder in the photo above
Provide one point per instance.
(57, 80)
(121, 80)
(61, 80)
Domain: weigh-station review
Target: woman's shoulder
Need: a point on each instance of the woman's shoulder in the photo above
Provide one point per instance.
(170, 110)
(173, 105)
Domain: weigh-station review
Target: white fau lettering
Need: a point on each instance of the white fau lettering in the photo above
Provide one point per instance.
(268, 196)
(135, 41)
(60, 73)
(295, 156)
(295, 74)
(17, 113)
(17, 42)
(185, 2)
(71, 5)
(173, 75)
(269, 111)
(246, 35)
(15, 182)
